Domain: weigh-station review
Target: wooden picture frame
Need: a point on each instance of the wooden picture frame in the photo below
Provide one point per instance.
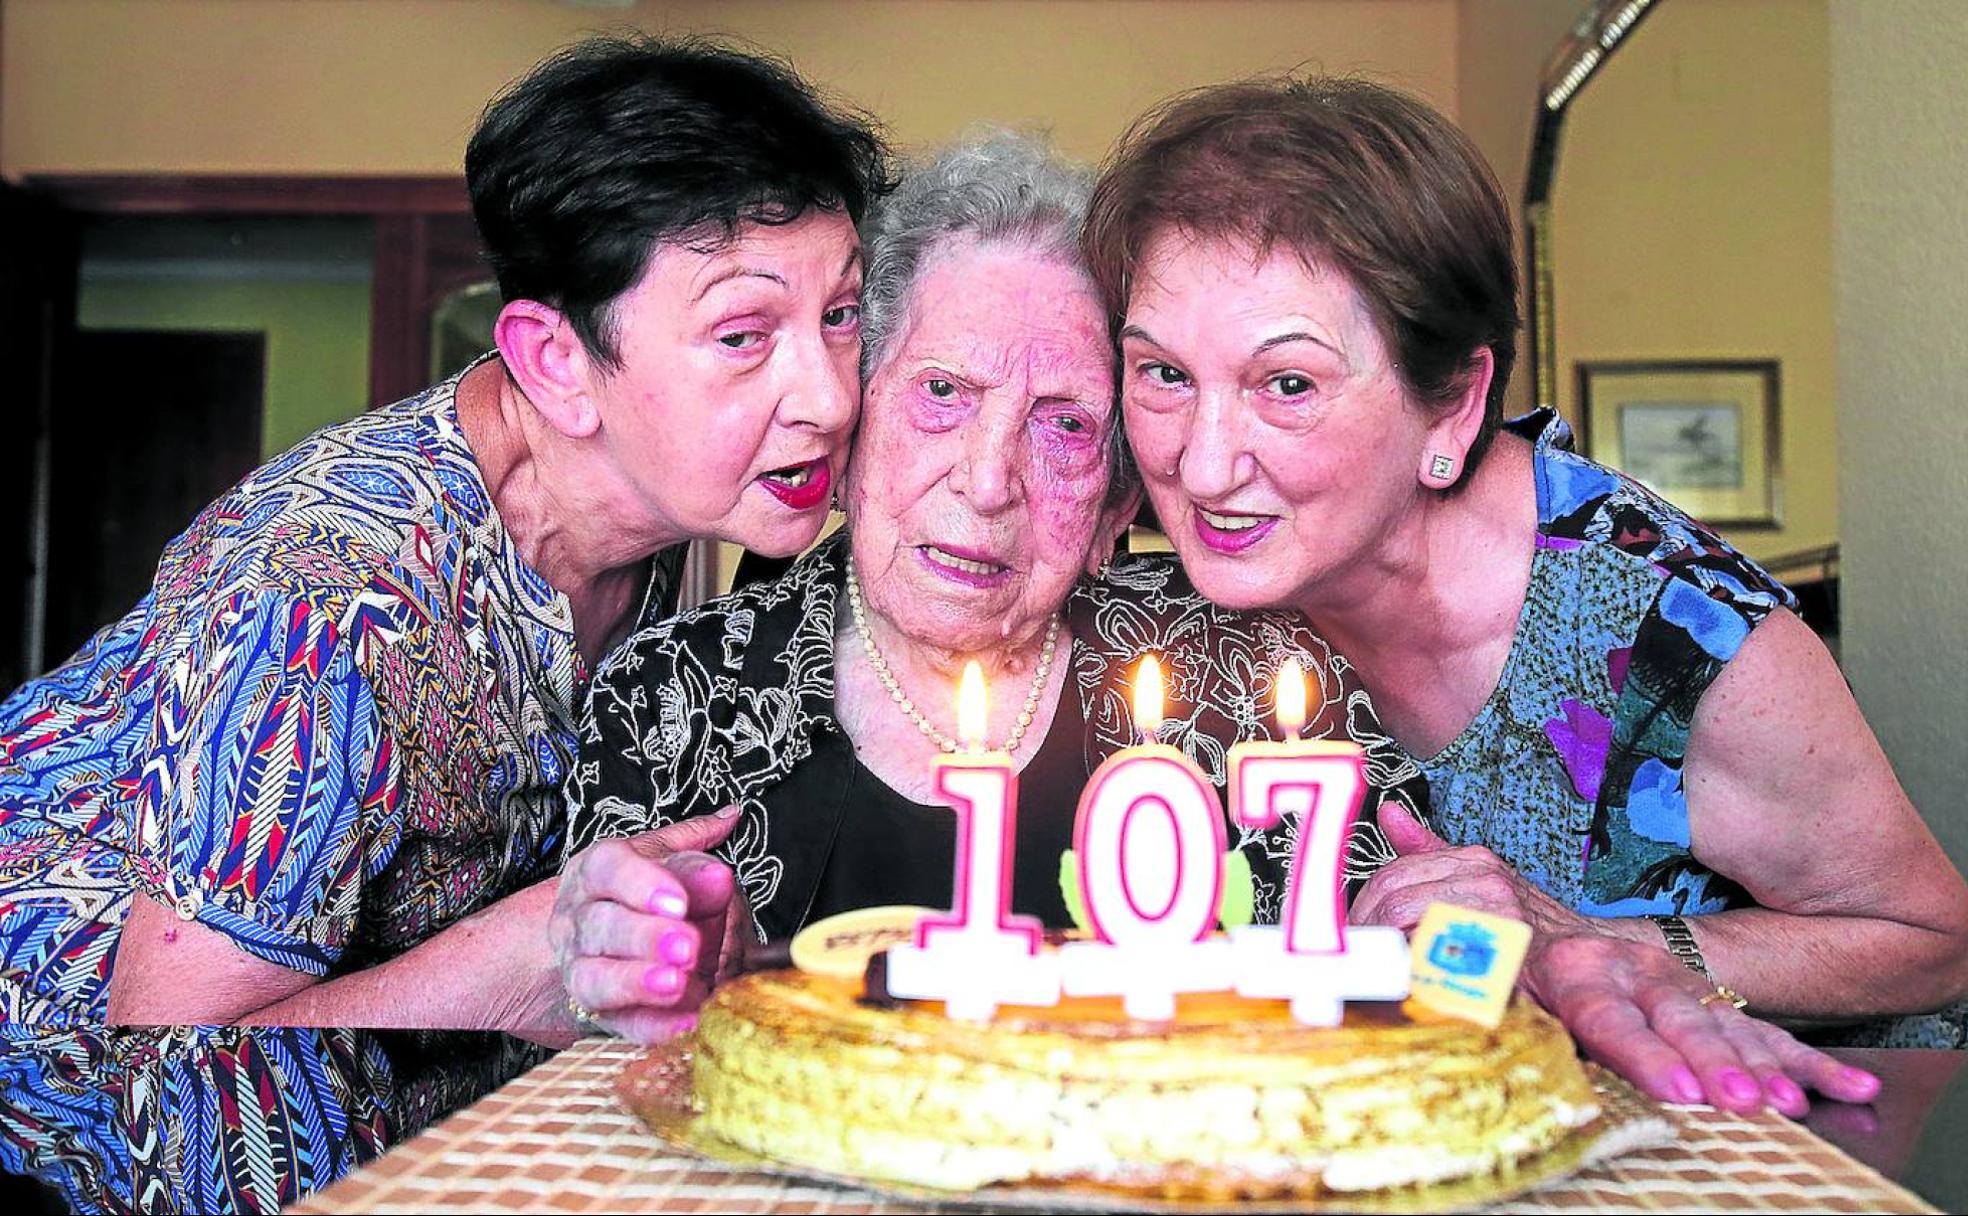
(1703, 434)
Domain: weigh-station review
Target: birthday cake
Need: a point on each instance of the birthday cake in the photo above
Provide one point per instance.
(1232, 1099)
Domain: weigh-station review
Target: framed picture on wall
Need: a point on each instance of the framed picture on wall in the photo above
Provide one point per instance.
(1701, 434)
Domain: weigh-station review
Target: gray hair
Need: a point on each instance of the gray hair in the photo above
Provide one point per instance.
(994, 187)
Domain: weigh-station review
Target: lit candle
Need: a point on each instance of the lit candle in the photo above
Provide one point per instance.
(1149, 842)
(1320, 782)
(1310, 958)
(980, 954)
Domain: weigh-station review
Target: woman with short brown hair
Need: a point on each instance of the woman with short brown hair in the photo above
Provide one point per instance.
(1620, 719)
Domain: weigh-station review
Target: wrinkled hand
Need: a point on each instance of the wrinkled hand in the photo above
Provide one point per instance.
(1637, 1010)
(645, 926)
(1631, 1005)
(1429, 870)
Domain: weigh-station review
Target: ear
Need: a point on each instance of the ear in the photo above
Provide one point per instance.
(1109, 528)
(551, 365)
(1456, 425)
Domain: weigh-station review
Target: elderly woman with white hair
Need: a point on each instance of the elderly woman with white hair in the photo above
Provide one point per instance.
(790, 726)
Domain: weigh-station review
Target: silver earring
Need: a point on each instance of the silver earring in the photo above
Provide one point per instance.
(1441, 466)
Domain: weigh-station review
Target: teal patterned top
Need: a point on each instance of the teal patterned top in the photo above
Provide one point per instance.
(1571, 771)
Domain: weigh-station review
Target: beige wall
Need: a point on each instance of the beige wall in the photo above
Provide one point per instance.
(1501, 49)
(1691, 219)
(1899, 176)
(393, 86)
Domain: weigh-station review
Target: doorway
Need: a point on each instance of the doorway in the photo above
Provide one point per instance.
(155, 425)
(406, 244)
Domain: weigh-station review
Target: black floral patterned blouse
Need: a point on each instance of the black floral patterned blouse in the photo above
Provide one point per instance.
(721, 705)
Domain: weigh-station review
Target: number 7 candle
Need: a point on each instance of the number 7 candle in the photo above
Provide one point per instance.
(1310, 958)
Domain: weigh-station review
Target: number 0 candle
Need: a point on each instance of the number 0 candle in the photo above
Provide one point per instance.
(1149, 842)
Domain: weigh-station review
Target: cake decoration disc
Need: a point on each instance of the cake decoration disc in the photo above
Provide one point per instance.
(657, 1088)
(841, 945)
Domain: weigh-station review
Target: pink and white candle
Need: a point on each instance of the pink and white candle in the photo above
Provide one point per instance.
(1149, 841)
(1310, 958)
(980, 954)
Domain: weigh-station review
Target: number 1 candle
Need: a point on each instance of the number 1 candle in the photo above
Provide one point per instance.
(979, 955)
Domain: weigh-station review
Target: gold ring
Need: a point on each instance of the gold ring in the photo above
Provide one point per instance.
(582, 1014)
(1723, 993)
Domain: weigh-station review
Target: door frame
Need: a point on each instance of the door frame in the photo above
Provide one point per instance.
(39, 256)
(417, 255)
(418, 258)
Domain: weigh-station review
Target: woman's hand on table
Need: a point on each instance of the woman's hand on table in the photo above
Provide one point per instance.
(645, 925)
(1631, 1005)
(1636, 1009)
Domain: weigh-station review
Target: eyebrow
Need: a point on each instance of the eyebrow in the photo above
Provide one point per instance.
(740, 272)
(736, 272)
(1278, 340)
(1271, 343)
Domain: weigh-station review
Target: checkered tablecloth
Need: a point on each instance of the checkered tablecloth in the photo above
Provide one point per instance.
(559, 1140)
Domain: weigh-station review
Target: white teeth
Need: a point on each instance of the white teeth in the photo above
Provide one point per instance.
(962, 563)
(1230, 523)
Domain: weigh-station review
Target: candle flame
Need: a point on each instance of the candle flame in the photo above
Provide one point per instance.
(973, 707)
(1291, 698)
(1148, 697)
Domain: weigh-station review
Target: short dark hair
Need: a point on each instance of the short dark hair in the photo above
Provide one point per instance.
(617, 143)
(1364, 178)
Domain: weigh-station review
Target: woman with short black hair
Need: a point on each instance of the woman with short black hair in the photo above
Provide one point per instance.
(313, 778)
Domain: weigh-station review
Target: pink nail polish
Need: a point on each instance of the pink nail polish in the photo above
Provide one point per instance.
(1687, 1088)
(677, 949)
(1859, 1078)
(1783, 1090)
(668, 903)
(663, 981)
(1739, 1085)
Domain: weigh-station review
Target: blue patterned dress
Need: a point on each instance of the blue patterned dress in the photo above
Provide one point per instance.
(337, 724)
(1571, 772)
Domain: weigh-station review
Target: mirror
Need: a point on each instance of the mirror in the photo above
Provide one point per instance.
(461, 327)
(1679, 246)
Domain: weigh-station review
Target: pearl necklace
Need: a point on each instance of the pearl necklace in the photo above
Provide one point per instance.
(908, 707)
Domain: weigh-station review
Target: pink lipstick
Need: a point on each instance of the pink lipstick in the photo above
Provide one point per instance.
(970, 567)
(1233, 540)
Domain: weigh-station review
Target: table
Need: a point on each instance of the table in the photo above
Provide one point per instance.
(557, 1140)
(1915, 1133)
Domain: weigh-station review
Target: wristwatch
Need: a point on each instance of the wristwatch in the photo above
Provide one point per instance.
(1681, 944)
